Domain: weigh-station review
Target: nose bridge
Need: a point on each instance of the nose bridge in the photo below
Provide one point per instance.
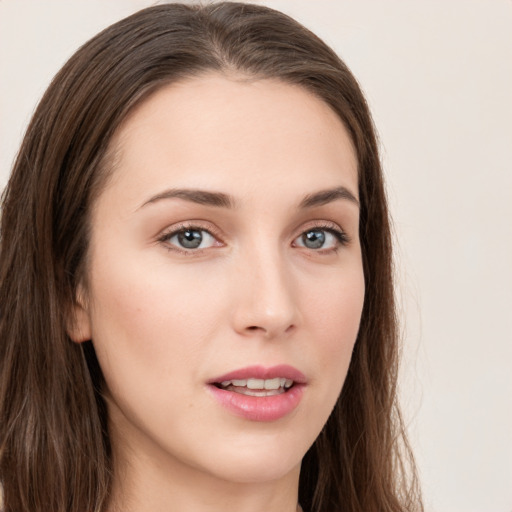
(266, 301)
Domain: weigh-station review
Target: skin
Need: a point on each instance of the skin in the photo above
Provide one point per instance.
(165, 320)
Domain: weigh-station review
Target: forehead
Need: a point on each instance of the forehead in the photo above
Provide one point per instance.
(220, 132)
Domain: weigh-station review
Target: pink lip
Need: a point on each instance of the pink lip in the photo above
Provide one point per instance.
(261, 372)
(264, 408)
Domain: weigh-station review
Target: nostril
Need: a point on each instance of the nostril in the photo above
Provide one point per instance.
(265, 331)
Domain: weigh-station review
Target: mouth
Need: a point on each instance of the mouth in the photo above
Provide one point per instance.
(257, 387)
(258, 393)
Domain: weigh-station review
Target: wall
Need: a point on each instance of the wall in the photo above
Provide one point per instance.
(438, 77)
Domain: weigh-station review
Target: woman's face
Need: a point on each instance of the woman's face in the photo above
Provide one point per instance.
(225, 283)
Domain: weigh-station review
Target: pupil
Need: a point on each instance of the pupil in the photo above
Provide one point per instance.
(314, 239)
(190, 239)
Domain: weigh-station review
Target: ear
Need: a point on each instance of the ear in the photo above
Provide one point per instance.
(79, 322)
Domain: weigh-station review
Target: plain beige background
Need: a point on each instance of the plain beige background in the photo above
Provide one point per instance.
(438, 76)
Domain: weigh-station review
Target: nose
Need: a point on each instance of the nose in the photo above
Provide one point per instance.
(266, 300)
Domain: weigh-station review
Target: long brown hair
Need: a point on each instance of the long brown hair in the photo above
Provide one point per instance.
(54, 443)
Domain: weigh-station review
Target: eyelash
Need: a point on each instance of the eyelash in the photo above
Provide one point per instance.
(342, 238)
(176, 230)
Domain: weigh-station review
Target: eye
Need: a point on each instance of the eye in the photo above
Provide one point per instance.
(190, 238)
(321, 238)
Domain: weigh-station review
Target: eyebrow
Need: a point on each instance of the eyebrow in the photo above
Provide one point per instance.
(328, 196)
(222, 200)
(218, 199)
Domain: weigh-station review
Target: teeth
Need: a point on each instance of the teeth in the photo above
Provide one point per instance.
(259, 384)
(272, 383)
(255, 384)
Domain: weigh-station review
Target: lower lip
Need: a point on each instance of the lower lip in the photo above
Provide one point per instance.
(259, 408)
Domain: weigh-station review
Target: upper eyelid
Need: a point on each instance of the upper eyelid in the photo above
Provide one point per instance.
(193, 225)
(326, 225)
(170, 232)
(332, 227)
(339, 234)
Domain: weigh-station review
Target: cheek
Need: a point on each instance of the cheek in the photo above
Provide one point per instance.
(147, 316)
(152, 328)
(334, 313)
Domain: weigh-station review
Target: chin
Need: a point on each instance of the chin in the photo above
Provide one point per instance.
(258, 459)
(257, 470)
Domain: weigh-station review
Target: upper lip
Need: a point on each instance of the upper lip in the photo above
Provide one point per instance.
(263, 372)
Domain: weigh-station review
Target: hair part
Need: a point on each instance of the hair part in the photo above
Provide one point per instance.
(53, 413)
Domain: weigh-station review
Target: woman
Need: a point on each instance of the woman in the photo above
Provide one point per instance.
(196, 284)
